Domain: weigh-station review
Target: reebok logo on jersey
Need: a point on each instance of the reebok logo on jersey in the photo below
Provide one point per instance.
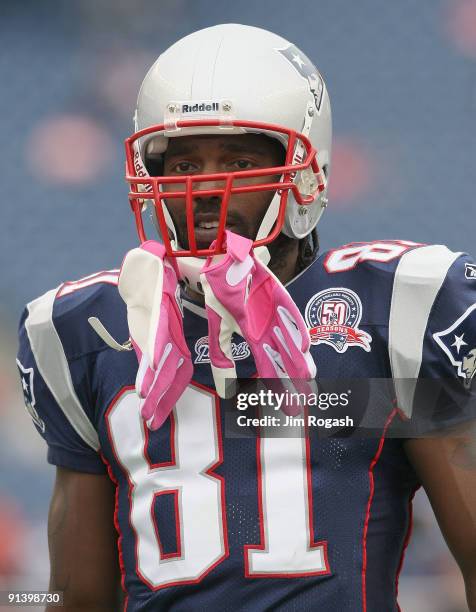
(26, 375)
(333, 317)
(470, 271)
(238, 351)
(459, 344)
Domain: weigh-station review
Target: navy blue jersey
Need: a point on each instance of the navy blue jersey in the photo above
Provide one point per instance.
(208, 521)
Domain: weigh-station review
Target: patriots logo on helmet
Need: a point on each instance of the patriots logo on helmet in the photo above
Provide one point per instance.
(333, 316)
(307, 70)
(26, 375)
(459, 344)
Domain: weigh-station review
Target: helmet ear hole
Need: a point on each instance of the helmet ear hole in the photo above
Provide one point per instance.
(154, 164)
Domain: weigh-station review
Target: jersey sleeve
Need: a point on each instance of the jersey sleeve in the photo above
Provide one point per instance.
(52, 395)
(432, 337)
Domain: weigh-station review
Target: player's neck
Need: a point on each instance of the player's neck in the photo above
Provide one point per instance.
(284, 253)
(282, 264)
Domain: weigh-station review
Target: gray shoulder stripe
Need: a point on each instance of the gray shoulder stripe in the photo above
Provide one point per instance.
(418, 278)
(53, 365)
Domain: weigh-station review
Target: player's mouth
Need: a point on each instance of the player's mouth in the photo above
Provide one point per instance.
(206, 229)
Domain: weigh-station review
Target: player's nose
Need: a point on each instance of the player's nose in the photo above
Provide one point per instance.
(209, 191)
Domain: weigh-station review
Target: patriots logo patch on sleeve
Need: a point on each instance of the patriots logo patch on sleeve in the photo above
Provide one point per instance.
(26, 377)
(459, 344)
(470, 271)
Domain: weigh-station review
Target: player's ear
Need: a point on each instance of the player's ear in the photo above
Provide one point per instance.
(154, 164)
(154, 158)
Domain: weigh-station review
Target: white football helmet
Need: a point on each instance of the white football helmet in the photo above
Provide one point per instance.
(232, 79)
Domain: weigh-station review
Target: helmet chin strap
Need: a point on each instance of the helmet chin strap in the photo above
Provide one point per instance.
(189, 270)
(269, 218)
(191, 267)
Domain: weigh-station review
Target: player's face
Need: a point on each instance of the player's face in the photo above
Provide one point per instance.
(189, 155)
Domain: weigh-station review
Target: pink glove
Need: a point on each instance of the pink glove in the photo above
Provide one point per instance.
(243, 296)
(148, 284)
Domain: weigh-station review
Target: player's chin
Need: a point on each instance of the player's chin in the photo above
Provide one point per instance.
(204, 237)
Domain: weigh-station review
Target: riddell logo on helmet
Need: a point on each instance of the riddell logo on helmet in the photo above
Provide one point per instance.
(208, 107)
(141, 171)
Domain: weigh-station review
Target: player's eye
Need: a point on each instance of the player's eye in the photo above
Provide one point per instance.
(242, 164)
(184, 167)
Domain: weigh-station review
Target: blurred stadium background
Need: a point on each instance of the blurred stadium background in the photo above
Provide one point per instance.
(402, 80)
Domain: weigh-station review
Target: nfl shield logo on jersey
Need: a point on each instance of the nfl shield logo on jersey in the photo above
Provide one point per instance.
(333, 316)
(26, 375)
(459, 344)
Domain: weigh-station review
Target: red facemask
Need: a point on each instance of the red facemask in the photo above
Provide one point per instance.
(188, 185)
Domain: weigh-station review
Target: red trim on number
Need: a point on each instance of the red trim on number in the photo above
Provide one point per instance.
(161, 464)
(122, 566)
(68, 287)
(360, 246)
(118, 529)
(248, 547)
(209, 472)
(406, 541)
(312, 543)
(373, 463)
(178, 534)
(322, 543)
(123, 391)
(219, 461)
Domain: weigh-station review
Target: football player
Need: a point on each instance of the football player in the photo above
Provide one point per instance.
(233, 134)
